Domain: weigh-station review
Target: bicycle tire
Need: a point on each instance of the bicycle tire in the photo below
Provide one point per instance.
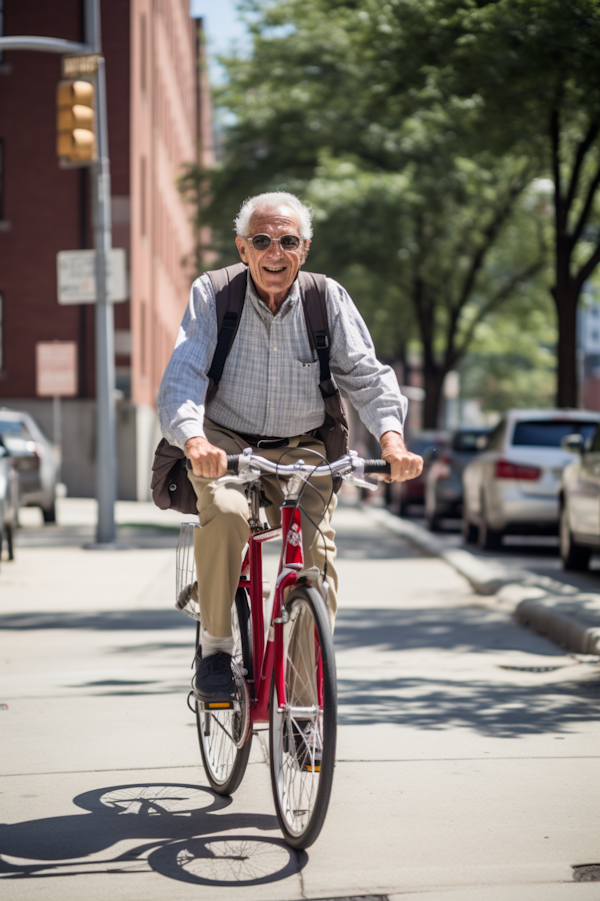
(225, 763)
(301, 793)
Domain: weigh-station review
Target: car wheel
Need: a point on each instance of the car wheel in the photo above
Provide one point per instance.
(433, 522)
(488, 539)
(574, 556)
(49, 513)
(469, 531)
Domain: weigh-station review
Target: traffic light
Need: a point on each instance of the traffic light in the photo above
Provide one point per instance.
(75, 136)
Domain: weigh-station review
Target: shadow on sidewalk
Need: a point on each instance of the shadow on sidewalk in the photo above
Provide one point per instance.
(499, 704)
(129, 537)
(106, 621)
(175, 831)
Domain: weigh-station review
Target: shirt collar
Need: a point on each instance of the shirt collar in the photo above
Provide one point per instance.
(261, 307)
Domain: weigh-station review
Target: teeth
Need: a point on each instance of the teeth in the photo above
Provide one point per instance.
(274, 270)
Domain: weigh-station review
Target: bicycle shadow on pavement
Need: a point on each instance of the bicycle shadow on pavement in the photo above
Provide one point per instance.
(498, 700)
(178, 833)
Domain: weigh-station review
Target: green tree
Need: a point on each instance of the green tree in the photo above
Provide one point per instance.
(347, 118)
(530, 70)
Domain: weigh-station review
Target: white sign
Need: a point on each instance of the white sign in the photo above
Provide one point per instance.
(73, 66)
(76, 276)
(56, 369)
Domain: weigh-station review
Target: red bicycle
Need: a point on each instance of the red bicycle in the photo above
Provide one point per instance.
(285, 677)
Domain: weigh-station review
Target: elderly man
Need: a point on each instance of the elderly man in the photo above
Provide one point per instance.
(268, 398)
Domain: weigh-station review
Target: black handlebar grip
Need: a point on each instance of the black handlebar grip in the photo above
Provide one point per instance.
(232, 463)
(380, 466)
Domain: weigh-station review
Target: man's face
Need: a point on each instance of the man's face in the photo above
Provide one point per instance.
(273, 270)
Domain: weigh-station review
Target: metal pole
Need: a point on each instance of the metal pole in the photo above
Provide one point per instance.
(91, 25)
(56, 420)
(106, 445)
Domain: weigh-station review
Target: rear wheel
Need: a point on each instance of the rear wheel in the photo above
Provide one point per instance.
(488, 539)
(302, 736)
(224, 735)
(49, 513)
(469, 531)
(574, 556)
(10, 542)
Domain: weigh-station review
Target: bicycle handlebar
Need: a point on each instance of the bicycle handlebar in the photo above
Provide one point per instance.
(347, 463)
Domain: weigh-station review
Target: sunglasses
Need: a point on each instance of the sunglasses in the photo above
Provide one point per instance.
(263, 242)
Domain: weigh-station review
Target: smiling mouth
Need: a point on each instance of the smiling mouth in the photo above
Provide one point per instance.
(279, 269)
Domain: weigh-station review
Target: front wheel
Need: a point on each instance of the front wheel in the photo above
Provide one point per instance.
(302, 734)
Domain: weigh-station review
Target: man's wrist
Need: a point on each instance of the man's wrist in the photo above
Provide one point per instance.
(392, 439)
(196, 441)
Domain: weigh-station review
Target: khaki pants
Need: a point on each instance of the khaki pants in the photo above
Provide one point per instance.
(224, 514)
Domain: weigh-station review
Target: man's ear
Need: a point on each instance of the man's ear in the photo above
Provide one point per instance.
(241, 246)
(306, 247)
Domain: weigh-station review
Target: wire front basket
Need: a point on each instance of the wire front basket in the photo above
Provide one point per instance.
(186, 585)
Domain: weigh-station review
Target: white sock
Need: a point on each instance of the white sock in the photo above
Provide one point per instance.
(211, 645)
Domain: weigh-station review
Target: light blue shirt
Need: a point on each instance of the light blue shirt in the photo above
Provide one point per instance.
(270, 383)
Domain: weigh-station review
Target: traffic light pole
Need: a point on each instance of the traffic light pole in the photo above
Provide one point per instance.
(106, 445)
(106, 433)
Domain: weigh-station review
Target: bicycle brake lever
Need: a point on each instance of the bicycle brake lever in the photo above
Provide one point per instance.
(245, 478)
(352, 479)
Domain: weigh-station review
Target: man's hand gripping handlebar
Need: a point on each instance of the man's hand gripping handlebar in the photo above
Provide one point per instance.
(247, 467)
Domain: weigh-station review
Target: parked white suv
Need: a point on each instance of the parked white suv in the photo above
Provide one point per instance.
(513, 484)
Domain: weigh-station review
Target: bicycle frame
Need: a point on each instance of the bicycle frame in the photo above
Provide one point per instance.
(268, 654)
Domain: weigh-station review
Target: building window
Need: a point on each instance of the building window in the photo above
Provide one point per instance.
(143, 337)
(143, 46)
(143, 196)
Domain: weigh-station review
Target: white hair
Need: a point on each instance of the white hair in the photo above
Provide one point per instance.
(274, 200)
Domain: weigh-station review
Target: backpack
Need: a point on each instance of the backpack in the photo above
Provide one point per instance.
(171, 488)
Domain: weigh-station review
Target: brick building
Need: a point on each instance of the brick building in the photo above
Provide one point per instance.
(158, 119)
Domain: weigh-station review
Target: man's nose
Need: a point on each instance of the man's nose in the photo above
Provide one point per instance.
(276, 250)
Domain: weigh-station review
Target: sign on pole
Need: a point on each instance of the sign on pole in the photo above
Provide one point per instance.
(56, 369)
(76, 66)
(76, 276)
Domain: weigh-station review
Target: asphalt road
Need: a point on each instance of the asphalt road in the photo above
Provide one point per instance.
(538, 553)
(468, 757)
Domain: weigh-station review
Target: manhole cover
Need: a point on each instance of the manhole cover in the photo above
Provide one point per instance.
(532, 669)
(587, 872)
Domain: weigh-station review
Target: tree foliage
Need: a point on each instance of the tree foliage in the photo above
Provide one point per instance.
(415, 129)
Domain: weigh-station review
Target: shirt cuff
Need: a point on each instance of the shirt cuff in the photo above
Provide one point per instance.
(390, 424)
(184, 432)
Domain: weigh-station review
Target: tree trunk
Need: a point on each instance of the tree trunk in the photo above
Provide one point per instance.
(433, 379)
(566, 374)
(566, 297)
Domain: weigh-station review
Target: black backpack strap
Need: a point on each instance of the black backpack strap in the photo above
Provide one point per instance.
(229, 285)
(313, 287)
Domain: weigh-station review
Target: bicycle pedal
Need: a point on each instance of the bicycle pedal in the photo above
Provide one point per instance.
(312, 769)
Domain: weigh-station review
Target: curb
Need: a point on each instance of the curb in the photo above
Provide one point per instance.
(561, 612)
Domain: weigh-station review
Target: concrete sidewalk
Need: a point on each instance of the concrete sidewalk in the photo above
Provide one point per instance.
(466, 746)
(565, 614)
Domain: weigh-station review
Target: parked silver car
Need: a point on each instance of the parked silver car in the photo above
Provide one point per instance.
(36, 459)
(579, 500)
(443, 485)
(513, 485)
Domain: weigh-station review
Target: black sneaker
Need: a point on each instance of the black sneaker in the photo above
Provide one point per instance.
(307, 748)
(214, 682)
